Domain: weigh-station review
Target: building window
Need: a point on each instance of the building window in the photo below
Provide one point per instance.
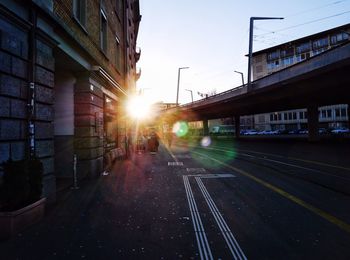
(287, 61)
(301, 115)
(302, 56)
(271, 117)
(273, 64)
(294, 115)
(273, 55)
(103, 31)
(323, 114)
(304, 47)
(119, 6)
(287, 52)
(320, 43)
(337, 112)
(79, 10)
(318, 51)
(285, 116)
(329, 113)
(118, 54)
(338, 38)
(279, 116)
(343, 112)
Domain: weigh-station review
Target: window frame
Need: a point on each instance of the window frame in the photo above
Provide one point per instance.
(103, 30)
(80, 15)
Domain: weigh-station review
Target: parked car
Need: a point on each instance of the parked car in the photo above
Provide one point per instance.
(293, 132)
(322, 131)
(223, 130)
(342, 130)
(303, 131)
(251, 132)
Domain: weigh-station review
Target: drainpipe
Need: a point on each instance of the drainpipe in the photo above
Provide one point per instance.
(31, 85)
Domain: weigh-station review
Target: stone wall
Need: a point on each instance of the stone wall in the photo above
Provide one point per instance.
(15, 67)
(88, 131)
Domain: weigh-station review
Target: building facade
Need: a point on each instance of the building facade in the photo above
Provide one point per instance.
(66, 68)
(268, 61)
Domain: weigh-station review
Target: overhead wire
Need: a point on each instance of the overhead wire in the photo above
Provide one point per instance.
(309, 22)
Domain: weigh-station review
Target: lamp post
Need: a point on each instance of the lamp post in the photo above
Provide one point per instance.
(251, 26)
(178, 83)
(241, 76)
(191, 94)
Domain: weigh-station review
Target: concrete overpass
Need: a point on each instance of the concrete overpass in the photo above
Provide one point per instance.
(321, 80)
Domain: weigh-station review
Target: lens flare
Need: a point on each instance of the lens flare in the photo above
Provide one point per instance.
(139, 107)
(206, 141)
(180, 128)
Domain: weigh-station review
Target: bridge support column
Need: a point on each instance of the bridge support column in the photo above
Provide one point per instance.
(205, 127)
(349, 115)
(312, 123)
(237, 126)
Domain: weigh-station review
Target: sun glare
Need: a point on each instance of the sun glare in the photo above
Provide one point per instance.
(139, 107)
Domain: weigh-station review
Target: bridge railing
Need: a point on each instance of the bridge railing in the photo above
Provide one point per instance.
(236, 89)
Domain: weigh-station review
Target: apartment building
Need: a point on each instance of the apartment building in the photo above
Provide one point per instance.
(268, 61)
(66, 67)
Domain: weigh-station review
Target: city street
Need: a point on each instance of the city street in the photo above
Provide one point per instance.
(224, 201)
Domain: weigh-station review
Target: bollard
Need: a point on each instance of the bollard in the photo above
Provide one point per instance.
(75, 177)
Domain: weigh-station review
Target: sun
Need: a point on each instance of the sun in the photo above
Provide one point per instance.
(139, 107)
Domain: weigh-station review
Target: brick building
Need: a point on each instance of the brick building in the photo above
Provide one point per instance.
(66, 67)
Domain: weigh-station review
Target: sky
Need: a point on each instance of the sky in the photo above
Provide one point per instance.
(211, 38)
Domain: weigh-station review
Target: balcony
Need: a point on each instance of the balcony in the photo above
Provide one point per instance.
(138, 73)
(137, 54)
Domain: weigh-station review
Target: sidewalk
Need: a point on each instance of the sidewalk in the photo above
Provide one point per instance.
(61, 220)
(135, 212)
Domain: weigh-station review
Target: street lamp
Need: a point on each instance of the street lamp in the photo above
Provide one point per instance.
(191, 94)
(241, 75)
(178, 83)
(252, 19)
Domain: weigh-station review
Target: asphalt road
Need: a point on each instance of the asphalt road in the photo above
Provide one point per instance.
(222, 200)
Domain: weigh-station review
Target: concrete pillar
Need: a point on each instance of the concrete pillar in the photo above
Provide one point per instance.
(312, 114)
(205, 127)
(348, 115)
(237, 126)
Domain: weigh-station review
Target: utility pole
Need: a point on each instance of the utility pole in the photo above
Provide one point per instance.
(241, 76)
(251, 27)
(178, 83)
(191, 94)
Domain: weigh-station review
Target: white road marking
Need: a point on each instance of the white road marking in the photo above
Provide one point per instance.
(202, 241)
(195, 170)
(216, 176)
(175, 163)
(232, 243)
(183, 156)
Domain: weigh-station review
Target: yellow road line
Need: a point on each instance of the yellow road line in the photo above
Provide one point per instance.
(341, 224)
